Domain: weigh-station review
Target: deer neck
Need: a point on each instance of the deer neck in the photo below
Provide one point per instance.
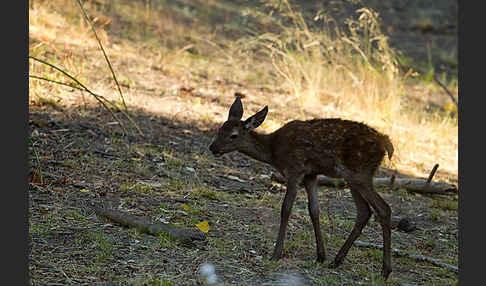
(259, 147)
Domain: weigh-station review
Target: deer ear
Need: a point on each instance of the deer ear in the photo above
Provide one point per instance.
(236, 109)
(256, 120)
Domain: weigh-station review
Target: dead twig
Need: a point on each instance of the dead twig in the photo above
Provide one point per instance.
(413, 256)
(436, 79)
(56, 82)
(104, 53)
(432, 173)
(446, 90)
(101, 99)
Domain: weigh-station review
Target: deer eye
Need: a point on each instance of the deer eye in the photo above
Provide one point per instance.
(233, 136)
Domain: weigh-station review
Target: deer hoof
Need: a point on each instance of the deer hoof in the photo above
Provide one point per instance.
(321, 258)
(334, 264)
(385, 273)
(275, 256)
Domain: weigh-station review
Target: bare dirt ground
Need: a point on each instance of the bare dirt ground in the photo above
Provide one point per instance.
(80, 158)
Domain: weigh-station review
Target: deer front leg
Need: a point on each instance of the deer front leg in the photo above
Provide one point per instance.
(284, 215)
(310, 183)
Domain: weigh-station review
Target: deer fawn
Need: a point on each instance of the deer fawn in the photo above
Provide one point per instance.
(300, 150)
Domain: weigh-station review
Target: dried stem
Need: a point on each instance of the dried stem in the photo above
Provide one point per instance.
(103, 101)
(446, 90)
(104, 53)
(56, 82)
(432, 173)
(111, 69)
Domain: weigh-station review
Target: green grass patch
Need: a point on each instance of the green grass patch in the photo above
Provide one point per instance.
(102, 243)
(196, 212)
(150, 280)
(268, 199)
(77, 216)
(171, 161)
(300, 240)
(375, 254)
(376, 279)
(137, 188)
(430, 243)
(167, 241)
(44, 228)
(48, 101)
(445, 204)
(68, 164)
(200, 191)
(435, 215)
(175, 184)
(219, 244)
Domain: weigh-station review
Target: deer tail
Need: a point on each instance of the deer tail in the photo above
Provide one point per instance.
(388, 145)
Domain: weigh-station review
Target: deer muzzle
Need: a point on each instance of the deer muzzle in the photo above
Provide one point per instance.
(215, 150)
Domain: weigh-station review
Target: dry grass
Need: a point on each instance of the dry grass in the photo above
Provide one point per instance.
(304, 72)
(356, 73)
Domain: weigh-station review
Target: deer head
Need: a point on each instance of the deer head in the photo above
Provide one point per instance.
(234, 134)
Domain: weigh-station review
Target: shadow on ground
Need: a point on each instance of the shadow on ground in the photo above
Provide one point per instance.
(80, 161)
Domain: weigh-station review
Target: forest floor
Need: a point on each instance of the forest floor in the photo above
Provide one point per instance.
(80, 157)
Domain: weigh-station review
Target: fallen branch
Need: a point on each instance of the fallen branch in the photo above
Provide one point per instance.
(446, 90)
(413, 256)
(411, 185)
(146, 226)
(418, 185)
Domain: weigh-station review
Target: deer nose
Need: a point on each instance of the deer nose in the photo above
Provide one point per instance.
(212, 148)
(215, 150)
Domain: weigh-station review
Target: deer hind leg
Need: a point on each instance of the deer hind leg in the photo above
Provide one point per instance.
(365, 196)
(310, 183)
(383, 214)
(362, 217)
